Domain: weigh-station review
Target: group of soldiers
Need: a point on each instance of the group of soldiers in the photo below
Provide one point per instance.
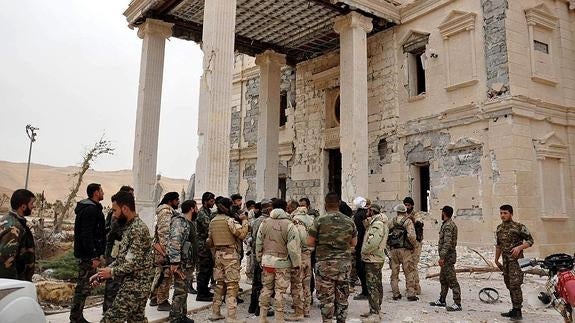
(288, 245)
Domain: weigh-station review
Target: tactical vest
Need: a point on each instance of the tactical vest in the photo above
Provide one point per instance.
(221, 234)
(275, 233)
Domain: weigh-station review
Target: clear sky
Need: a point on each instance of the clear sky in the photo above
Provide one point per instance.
(71, 68)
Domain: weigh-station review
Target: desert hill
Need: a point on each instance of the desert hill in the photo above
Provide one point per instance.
(56, 181)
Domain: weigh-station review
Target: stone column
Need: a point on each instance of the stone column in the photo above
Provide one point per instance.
(214, 116)
(353, 29)
(270, 64)
(154, 34)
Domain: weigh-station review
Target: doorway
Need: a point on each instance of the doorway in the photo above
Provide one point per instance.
(421, 184)
(334, 171)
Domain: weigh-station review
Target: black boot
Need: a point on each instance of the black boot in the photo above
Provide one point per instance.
(517, 316)
(508, 314)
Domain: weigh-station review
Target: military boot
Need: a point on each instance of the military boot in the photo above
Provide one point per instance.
(232, 317)
(296, 317)
(517, 316)
(280, 316)
(216, 313)
(263, 317)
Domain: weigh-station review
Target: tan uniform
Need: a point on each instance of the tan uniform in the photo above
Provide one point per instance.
(224, 239)
(163, 275)
(403, 257)
(416, 217)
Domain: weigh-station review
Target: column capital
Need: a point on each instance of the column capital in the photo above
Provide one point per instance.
(269, 57)
(352, 20)
(155, 27)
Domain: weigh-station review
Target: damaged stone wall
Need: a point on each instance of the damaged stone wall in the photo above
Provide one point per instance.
(249, 175)
(234, 179)
(252, 109)
(235, 131)
(494, 14)
(305, 188)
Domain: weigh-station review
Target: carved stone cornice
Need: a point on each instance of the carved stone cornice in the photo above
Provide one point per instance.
(541, 16)
(138, 8)
(419, 8)
(352, 20)
(270, 57)
(382, 9)
(456, 22)
(156, 28)
(285, 150)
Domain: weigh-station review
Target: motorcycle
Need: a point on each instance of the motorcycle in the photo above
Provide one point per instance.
(559, 290)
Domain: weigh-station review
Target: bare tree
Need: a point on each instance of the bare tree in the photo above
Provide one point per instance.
(102, 147)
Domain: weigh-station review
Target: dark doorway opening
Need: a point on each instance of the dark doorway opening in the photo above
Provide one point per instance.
(334, 171)
(424, 187)
(282, 188)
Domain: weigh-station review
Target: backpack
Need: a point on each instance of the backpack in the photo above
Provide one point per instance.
(397, 237)
(418, 231)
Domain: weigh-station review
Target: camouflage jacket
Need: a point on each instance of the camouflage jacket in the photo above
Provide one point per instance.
(448, 241)
(203, 227)
(17, 251)
(239, 231)
(333, 233)
(164, 215)
(134, 259)
(273, 234)
(303, 221)
(375, 239)
(114, 232)
(183, 244)
(510, 235)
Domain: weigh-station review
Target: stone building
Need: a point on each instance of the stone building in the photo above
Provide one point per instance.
(460, 102)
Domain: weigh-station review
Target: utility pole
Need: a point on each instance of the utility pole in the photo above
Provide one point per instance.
(31, 132)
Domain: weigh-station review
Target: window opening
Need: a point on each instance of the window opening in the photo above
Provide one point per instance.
(283, 108)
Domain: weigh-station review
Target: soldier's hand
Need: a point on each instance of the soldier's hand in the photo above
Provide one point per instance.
(95, 280)
(516, 251)
(96, 263)
(243, 217)
(441, 262)
(105, 273)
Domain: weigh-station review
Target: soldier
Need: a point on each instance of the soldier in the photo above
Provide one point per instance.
(334, 236)
(114, 231)
(512, 238)
(182, 249)
(373, 255)
(266, 208)
(17, 251)
(278, 251)
(300, 279)
(225, 238)
(447, 258)
(362, 206)
(400, 241)
(163, 276)
(132, 267)
(89, 246)
(305, 202)
(418, 225)
(205, 261)
(250, 206)
(292, 205)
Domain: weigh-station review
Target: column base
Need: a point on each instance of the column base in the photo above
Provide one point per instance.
(146, 210)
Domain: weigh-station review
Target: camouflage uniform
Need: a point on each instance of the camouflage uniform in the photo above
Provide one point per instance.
(278, 250)
(182, 249)
(403, 257)
(510, 235)
(333, 233)
(300, 277)
(225, 238)
(114, 232)
(417, 220)
(17, 251)
(133, 266)
(163, 275)
(205, 263)
(257, 276)
(447, 252)
(373, 254)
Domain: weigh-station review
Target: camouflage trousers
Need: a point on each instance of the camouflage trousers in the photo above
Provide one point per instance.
(179, 308)
(274, 280)
(130, 303)
(332, 284)
(110, 291)
(416, 257)
(513, 278)
(227, 277)
(300, 280)
(249, 261)
(161, 284)
(404, 258)
(374, 285)
(448, 279)
(82, 290)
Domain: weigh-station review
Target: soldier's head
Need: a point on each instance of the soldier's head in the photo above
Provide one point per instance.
(304, 201)
(506, 212)
(237, 200)
(128, 189)
(279, 204)
(172, 199)
(250, 204)
(446, 212)
(266, 206)
(291, 206)
(189, 209)
(257, 210)
(22, 202)
(400, 209)
(95, 192)
(409, 204)
(124, 206)
(208, 200)
(332, 201)
(224, 205)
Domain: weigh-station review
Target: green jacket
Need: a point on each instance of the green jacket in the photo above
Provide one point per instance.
(17, 250)
(375, 239)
